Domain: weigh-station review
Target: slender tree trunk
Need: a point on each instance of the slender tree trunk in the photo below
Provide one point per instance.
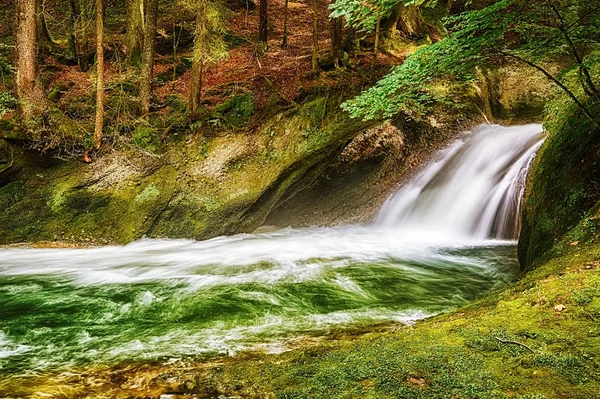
(284, 43)
(336, 40)
(135, 31)
(146, 73)
(32, 103)
(73, 27)
(376, 45)
(81, 18)
(315, 37)
(263, 21)
(45, 40)
(198, 64)
(99, 73)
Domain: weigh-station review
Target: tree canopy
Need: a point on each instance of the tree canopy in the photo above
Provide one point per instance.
(530, 32)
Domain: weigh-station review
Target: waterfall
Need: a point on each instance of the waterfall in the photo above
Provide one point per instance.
(474, 189)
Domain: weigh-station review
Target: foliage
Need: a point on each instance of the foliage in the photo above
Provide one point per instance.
(363, 15)
(517, 29)
(209, 41)
(7, 103)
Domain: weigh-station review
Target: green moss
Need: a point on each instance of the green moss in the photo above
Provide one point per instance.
(563, 184)
(146, 137)
(458, 355)
(149, 194)
(236, 111)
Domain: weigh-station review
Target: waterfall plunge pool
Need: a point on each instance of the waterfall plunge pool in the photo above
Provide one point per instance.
(161, 300)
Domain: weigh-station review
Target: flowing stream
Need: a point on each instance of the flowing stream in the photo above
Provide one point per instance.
(443, 240)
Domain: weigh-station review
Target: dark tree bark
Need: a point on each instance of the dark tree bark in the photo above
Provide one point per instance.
(32, 102)
(99, 125)
(147, 68)
(337, 42)
(263, 21)
(388, 24)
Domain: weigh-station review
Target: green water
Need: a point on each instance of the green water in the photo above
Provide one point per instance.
(163, 300)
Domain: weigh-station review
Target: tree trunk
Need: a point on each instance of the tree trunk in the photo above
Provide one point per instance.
(198, 64)
(315, 37)
(411, 22)
(81, 18)
(146, 73)
(45, 40)
(284, 42)
(32, 103)
(99, 73)
(263, 21)
(336, 40)
(72, 35)
(376, 45)
(135, 31)
(351, 43)
(388, 24)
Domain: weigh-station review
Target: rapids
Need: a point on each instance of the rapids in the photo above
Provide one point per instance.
(441, 241)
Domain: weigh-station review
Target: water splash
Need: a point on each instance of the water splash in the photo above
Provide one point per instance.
(173, 299)
(473, 190)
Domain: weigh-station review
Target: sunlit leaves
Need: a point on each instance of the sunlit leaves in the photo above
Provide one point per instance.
(482, 38)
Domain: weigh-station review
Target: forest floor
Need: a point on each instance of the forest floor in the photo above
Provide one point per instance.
(537, 338)
(285, 71)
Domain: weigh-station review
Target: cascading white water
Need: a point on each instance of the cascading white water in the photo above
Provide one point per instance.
(172, 299)
(473, 190)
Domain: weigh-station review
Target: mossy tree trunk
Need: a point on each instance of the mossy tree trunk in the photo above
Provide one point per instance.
(99, 125)
(146, 73)
(410, 22)
(32, 101)
(134, 39)
(198, 63)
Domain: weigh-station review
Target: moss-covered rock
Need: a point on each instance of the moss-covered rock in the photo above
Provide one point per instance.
(200, 187)
(564, 185)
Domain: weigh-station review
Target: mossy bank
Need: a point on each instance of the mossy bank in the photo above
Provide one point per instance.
(201, 186)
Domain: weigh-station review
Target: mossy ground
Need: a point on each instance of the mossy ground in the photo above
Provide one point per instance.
(554, 310)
